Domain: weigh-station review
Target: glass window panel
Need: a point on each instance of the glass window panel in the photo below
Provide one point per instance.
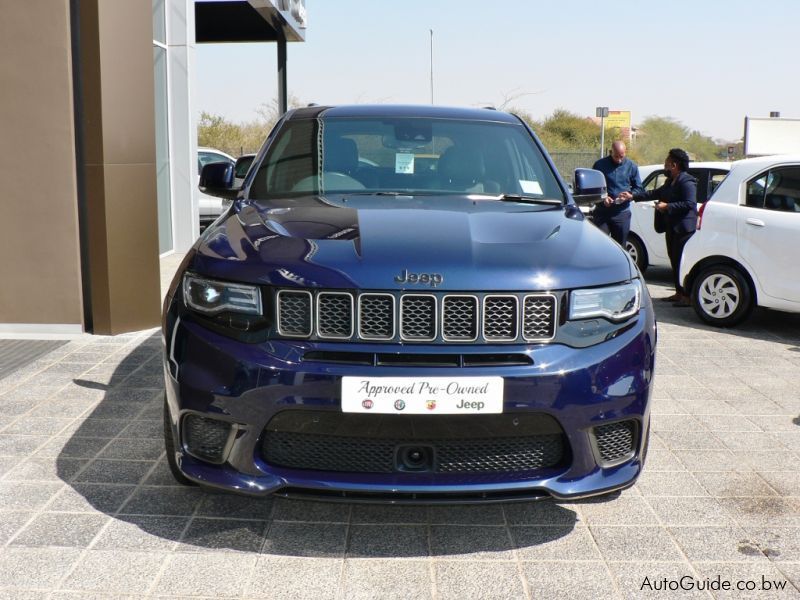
(783, 190)
(159, 21)
(755, 192)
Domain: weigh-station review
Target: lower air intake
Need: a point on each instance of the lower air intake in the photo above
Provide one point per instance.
(205, 438)
(615, 441)
(354, 443)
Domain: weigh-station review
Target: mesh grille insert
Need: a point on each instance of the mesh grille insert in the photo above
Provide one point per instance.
(205, 438)
(538, 320)
(418, 317)
(500, 317)
(376, 316)
(294, 313)
(357, 443)
(335, 315)
(460, 318)
(370, 455)
(615, 440)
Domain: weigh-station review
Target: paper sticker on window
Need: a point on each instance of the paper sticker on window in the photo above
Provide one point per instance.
(530, 187)
(404, 163)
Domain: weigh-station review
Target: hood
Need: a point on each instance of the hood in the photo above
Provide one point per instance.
(413, 243)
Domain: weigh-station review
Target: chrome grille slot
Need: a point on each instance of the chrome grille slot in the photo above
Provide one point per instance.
(334, 315)
(500, 318)
(376, 316)
(294, 313)
(460, 318)
(539, 317)
(418, 317)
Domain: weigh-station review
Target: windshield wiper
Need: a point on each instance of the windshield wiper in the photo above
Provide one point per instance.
(530, 199)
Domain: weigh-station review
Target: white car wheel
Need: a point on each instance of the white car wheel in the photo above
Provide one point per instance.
(721, 296)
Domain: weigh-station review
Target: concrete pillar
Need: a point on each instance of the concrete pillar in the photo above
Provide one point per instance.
(118, 131)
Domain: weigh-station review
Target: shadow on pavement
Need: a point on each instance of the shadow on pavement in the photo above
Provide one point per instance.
(114, 463)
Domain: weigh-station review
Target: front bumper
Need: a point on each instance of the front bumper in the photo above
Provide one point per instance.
(247, 384)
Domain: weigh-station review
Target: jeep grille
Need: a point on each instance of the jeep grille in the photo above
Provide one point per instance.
(435, 317)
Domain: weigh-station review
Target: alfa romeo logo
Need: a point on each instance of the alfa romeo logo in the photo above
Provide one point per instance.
(399, 405)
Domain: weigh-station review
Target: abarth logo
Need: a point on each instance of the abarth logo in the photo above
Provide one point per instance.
(430, 404)
(367, 403)
(399, 405)
(431, 279)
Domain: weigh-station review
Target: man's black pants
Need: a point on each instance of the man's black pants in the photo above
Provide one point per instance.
(617, 226)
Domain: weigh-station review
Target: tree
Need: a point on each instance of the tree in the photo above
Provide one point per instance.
(564, 130)
(215, 131)
(657, 135)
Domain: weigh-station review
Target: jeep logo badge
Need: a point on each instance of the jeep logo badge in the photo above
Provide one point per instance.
(431, 279)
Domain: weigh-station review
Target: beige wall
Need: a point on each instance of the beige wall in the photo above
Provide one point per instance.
(119, 129)
(40, 266)
(39, 250)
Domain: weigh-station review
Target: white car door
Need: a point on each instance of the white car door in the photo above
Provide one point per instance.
(643, 214)
(768, 227)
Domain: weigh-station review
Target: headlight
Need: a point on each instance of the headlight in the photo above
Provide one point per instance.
(614, 302)
(212, 297)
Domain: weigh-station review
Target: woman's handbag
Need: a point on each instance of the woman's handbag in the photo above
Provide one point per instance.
(659, 221)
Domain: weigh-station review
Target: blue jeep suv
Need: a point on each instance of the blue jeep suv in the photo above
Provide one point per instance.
(405, 304)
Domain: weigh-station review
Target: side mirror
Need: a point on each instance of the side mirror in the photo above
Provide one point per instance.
(216, 179)
(590, 187)
(242, 165)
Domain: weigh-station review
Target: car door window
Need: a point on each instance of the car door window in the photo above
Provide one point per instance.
(716, 178)
(755, 192)
(702, 183)
(783, 190)
(654, 180)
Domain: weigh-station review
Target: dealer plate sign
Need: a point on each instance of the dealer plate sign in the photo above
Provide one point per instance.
(422, 395)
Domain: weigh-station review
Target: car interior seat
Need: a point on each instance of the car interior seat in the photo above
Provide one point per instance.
(341, 156)
(463, 169)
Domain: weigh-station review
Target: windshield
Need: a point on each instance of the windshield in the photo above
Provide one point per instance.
(407, 155)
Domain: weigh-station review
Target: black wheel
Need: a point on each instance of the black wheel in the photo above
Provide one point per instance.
(636, 249)
(169, 443)
(721, 296)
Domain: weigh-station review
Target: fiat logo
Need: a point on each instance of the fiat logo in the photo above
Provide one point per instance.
(367, 403)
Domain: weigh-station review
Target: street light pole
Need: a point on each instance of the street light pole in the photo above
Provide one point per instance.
(431, 30)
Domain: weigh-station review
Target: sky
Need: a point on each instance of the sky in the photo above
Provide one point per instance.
(705, 63)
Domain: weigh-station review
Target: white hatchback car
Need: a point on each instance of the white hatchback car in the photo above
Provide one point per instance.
(743, 252)
(647, 247)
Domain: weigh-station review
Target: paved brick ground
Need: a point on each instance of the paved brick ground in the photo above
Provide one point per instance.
(88, 509)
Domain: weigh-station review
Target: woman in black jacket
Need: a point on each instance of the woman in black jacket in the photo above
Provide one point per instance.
(677, 200)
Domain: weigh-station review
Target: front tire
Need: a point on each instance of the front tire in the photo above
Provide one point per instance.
(722, 296)
(636, 249)
(169, 444)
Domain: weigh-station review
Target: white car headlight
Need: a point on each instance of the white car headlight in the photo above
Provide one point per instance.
(615, 302)
(212, 297)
